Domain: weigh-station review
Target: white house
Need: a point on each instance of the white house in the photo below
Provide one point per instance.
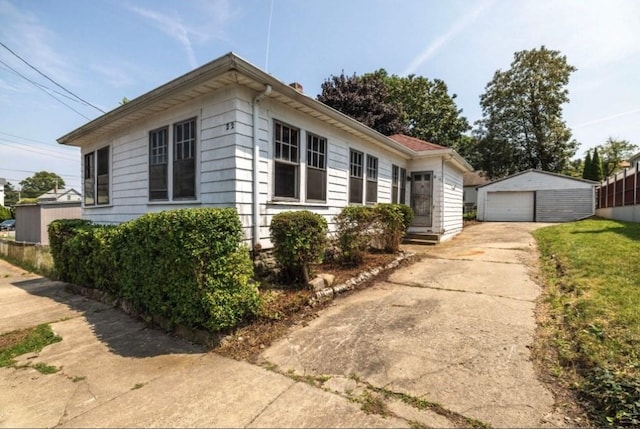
(536, 196)
(60, 195)
(229, 134)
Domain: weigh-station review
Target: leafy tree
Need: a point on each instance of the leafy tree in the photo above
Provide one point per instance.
(575, 168)
(10, 194)
(614, 153)
(587, 171)
(365, 99)
(428, 112)
(522, 125)
(391, 104)
(39, 183)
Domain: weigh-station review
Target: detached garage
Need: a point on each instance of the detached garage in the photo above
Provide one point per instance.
(536, 196)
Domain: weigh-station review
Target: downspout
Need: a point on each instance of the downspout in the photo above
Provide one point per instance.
(444, 198)
(255, 239)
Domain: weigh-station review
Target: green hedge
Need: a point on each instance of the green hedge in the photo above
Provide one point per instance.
(185, 265)
(299, 239)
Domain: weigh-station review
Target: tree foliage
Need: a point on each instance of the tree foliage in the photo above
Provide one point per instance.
(522, 125)
(365, 99)
(613, 153)
(39, 183)
(390, 104)
(11, 195)
(588, 167)
(596, 165)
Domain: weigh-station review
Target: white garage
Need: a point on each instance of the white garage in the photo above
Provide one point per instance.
(536, 196)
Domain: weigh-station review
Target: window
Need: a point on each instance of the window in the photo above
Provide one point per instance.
(403, 186)
(96, 177)
(316, 168)
(372, 179)
(184, 159)
(355, 176)
(158, 164)
(395, 172)
(89, 179)
(286, 161)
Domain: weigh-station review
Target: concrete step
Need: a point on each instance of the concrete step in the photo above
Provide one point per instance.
(427, 239)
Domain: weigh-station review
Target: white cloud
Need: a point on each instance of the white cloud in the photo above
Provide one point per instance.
(211, 18)
(606, 118)
(457, 27)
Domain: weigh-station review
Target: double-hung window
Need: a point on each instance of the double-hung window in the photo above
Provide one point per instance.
(355, 176)
(372, 179)
(316, 168)
(395, 173)
(286, 161)
(96, 177)
(403, 186)
(158, 164)
(176, 160)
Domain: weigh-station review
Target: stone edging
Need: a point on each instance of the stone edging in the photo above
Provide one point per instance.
(328, 293)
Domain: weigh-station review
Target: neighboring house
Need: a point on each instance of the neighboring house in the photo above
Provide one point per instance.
(536, 196)
(2, 183)
(471, 180)
(229, 134)
(33, 219)
(60, 195)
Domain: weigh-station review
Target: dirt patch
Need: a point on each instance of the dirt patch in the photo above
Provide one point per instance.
(284, 307)
(12, 338)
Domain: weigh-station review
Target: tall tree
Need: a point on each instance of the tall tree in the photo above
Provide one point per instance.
(522, 125)
(11, 196)
(575, 168)
(613, 153)
(391, 104)
(39, 183)
(427, 110)
(365, 99)
(596, 167)
(587, 171)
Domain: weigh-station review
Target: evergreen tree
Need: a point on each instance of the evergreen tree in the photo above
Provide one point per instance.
(596, 163)
(586, 172)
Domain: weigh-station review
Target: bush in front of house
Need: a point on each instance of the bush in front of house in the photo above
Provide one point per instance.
(360, 227)
(188, 266)
(354, 229)
(392, 221)
(299, 239)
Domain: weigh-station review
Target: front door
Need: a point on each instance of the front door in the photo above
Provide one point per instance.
(422, 198)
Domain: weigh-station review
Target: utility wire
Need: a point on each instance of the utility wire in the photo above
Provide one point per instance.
(37, 85)
(51, 80)
(42, 151)
(30, 171)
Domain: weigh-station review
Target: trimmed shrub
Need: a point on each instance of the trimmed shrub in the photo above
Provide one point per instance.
(187, 266)
(299, 239)
(354, 227)
(392, 222)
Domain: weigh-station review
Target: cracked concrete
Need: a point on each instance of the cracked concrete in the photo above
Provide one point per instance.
(455, 328)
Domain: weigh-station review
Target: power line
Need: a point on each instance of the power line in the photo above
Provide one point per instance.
(51, 80)
(37, 85)
(30, 171)
(40, 151)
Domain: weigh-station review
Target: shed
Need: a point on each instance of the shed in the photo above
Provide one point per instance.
(33, 219)
(536, 196)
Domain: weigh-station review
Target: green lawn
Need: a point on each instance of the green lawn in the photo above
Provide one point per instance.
(592, 269)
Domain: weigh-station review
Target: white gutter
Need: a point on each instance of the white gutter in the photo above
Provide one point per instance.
(256, 166)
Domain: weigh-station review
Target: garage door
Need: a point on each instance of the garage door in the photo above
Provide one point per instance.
(509, 206)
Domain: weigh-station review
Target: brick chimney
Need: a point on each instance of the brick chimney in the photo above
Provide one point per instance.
(297, 86)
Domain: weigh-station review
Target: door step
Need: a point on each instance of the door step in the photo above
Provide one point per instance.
(426, 239)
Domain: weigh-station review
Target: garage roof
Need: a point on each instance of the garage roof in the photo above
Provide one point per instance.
(533, 170)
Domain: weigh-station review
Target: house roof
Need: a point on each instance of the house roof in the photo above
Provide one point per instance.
(475, 178)
(533, 170)
(53, 194)
(415, 144)
(230, 69)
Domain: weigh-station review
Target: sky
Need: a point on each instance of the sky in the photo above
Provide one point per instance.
(104, 50)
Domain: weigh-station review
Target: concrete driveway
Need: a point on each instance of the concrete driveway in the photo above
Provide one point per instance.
(455, 329)
(441, 342)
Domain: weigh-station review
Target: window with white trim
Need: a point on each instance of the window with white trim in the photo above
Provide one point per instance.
(286, 161)
(355, 176)
(97, 177)
(316, 168)
(395, 173)
(372, 179)
(181, 169)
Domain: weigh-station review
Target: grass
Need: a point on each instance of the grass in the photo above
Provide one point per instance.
(31, 340)
(593, 294)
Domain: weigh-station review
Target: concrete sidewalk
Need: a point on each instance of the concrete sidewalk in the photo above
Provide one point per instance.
(117, 373)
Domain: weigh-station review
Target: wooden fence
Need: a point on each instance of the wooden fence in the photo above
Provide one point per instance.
(620, 190)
